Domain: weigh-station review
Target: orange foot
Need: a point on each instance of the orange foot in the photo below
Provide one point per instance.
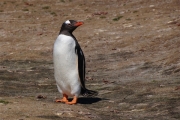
(64, 99)
(74, 101)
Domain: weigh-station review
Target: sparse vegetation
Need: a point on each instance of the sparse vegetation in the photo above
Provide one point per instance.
(135, 11)
(102, 17)
(128, 19)
(86, 10)
(4, 102)
(117, 18)
(25, 9)
(53, 13)
(46, 7)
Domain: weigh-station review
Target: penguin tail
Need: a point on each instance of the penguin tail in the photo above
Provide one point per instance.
(89, 93)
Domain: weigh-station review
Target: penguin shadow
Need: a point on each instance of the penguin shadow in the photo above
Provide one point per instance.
(88, 100)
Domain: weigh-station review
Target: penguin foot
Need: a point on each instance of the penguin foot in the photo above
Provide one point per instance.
(64, 99)
(61, 100)
(74, 101)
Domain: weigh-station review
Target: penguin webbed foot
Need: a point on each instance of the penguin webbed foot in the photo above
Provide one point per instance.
(64, 99)
(74, 101)
(61, 100)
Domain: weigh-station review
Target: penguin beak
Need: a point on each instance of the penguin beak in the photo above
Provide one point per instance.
(78, 24)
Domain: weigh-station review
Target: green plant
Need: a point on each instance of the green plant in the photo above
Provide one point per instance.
(135, 11)
(25, 9)
(53, 13)
(4, 102)
(45, 7)
(117, 18)
(102, 17)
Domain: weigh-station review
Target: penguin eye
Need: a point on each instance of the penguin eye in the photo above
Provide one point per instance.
(69, 24)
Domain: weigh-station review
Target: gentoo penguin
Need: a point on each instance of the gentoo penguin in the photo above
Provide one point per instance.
(69, 64)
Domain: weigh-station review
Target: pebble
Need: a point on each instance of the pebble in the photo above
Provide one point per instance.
(41, 97)
(127, 25)
(161, 85)
(171, 22)
(151, 6)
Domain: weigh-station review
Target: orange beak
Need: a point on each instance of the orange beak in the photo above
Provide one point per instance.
(79, 23)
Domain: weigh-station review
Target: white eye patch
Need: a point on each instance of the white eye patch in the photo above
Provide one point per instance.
(68, 22)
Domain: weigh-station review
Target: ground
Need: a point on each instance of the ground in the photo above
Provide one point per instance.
(132, 57)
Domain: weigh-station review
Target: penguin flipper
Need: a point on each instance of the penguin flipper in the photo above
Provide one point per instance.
(81, 70)
(81, 66)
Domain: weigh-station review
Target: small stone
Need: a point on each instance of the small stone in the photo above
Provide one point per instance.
(177, 88)
(161, 85)
(151, 6)
(111, 101)
(127, 25)
(171, 22)
(41, 97)
(114, 49)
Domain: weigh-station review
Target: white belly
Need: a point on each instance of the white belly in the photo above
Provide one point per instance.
(66, 66)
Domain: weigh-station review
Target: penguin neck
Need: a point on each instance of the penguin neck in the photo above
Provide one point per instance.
(67, 33)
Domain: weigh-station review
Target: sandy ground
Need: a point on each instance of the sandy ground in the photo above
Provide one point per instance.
(132, 55)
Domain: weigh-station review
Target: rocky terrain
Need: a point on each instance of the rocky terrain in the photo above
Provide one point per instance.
(132, 57)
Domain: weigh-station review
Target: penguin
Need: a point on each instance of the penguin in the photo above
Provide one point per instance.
(69, 64)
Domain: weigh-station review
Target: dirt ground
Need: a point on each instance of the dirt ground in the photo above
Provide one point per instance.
(132, 56)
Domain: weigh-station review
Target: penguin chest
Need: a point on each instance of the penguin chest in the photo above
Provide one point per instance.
(66, 65)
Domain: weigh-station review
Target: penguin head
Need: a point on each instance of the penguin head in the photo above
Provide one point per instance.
(70, 25)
